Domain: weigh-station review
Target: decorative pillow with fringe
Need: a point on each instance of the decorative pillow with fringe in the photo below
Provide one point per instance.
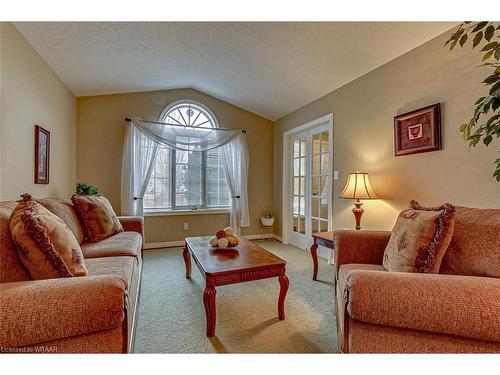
(97, 215)
(420, 238)
(46, 245)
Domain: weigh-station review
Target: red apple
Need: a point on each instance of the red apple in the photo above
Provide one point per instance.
(220, 234)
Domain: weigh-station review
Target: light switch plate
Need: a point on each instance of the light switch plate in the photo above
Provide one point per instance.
(335, 175)
(186, 226)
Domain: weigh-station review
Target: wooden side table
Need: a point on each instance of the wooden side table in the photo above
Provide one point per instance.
(323, 239)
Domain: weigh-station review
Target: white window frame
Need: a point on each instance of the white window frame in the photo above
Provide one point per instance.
(181, 209)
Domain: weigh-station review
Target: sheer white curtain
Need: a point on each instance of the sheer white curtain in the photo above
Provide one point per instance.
(234, 157)
(140, 149)
(185, 138)
(139, 153)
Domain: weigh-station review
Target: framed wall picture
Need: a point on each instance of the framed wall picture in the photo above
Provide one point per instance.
(418, 131)
(42, 155)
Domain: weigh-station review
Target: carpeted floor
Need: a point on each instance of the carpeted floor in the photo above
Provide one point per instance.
(171, 317)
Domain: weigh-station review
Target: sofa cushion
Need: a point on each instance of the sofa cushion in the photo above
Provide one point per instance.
(475, 247)
(11, 268)
(65, 209)
(123, 243)
(419, 239)
(97, 215)
(122, 267)
(45, 244)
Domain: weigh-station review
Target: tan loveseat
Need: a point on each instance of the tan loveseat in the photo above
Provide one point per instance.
(455, 311)
(89, 314)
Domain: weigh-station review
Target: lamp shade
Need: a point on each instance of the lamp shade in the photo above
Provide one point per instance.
(358, 187)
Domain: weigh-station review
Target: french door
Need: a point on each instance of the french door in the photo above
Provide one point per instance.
(310, 192)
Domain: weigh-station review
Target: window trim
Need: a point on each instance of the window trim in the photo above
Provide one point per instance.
(187, 209)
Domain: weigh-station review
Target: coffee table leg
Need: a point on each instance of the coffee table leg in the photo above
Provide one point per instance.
(187, 262)
(209, 302)
(314, 254)
(281, 301)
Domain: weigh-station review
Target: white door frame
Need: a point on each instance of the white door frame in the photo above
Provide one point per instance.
(285, 222)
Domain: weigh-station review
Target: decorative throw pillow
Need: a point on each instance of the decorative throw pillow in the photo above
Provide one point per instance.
(98, 217)
(419, 239)
(45, 244)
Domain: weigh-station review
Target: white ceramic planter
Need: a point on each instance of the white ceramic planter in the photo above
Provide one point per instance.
(267, 222)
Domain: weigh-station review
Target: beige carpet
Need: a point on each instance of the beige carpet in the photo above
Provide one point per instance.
(171, 317)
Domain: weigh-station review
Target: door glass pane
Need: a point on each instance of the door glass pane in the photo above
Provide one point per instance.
(314, 226)
(296, 148)
(295, 223)
(302, 166)
(324, 142)
(303, 141)
(295, 205)
(296, 186)
(296, 166)
(315, 185)
(302, 208)
(324, 164)
(316, 165)
(323, 226)
(302, 225)
(302, 186)
(315, 207)
(316, 148)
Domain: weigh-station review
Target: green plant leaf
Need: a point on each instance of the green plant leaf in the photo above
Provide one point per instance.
(487, 140)
(489, 32)
(477, 39)
(496, 104)
(495, 89)
(479, 26)
(463, 39)
(492, 79)
(453, 44)
(492, 119)
(491, 45)
(497, 57)
(463, 127)
(488, 55)
(479, 100)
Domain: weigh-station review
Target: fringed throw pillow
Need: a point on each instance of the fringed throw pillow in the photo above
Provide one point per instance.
(46, 245)
(419, 239)
(97, 215)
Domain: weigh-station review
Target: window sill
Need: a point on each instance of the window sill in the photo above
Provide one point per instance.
(200, 211)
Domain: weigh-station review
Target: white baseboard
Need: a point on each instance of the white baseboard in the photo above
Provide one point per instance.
(159, 245)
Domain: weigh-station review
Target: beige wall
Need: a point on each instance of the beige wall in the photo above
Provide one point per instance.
(31, 93)
(363, 112)
(100, 135)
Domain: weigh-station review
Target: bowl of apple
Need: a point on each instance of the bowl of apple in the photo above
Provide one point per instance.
(225, 239)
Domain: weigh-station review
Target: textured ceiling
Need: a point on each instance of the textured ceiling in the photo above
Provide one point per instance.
(270, 69)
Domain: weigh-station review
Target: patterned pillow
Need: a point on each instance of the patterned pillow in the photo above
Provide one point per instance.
(45, 244)
(419, 239)
(98, 217)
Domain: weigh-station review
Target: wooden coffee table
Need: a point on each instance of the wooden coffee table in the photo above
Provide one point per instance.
(246, 262)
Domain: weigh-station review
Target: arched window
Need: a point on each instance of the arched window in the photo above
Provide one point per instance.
(187, 179)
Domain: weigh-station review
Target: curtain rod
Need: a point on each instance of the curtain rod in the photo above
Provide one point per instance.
(181, 126)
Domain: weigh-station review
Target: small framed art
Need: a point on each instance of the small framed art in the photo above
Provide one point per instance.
(42, 155)
(418, 131)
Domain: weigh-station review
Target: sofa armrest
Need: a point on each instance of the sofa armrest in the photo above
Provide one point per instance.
(132, 224)
(359, 246)
(466, 306)
(37, 311)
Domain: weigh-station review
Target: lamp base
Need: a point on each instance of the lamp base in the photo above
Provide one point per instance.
(358, 212)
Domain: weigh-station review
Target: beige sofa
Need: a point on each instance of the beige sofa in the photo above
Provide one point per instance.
(455, 311)
(90, 314)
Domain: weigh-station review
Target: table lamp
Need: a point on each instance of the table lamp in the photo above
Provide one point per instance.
(358, 187)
